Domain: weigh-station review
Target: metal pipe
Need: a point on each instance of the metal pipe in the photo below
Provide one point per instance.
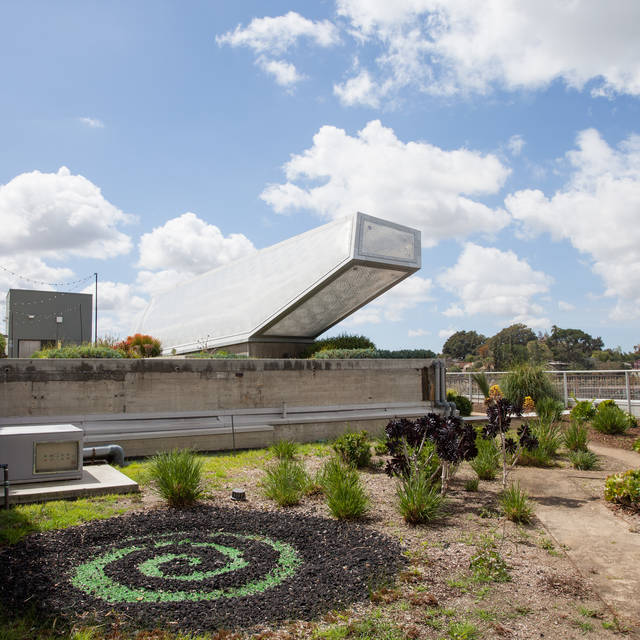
(5, 473)
(628, 390)
(112, 453)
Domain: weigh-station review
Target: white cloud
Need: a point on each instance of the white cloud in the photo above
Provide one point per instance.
(268, 37)
(183, 247)
(414, 183)
(359, 89)
(93, 123)
(284, 73)
(447, 333)
(447, 46)
(490, 281)
(597, 211)
(392, 305)
(118, 308)
(565, 306)
(516, 144)
(277, 35)
(58, 214)
(417, 333)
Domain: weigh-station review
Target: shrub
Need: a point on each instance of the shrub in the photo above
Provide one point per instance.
(354, 448)
(219, 355)
(516, 505)
(527, 380)
(624, 488)
(343, 341)
(343, 354)
(419, 501)
(605, 403)
(583, 411)
(85, 350)
(584, 460)
(178, 476)
(610, 419)
(3, 346)
(284, 449)
(141, 346)
(463, 404)
(576, 436)
(632, 421)
(487, 463)
(285, 482)
(346, 497)
(636, 445)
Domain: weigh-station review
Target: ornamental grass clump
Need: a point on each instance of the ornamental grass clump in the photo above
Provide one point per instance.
(419, 501)
(610, 419)
(487, 463)
(285, 482)
(583, 460)
(576, 436)
(527, 380)
(516, 505)
(177, 476)
(346, 497)
(284, 449)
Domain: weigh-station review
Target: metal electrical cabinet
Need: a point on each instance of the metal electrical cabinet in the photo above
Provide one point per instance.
(42, 452)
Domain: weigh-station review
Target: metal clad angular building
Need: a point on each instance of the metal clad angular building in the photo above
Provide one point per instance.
(276, 301)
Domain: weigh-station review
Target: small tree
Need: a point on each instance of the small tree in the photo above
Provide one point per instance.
(453, 442)
(500, 412)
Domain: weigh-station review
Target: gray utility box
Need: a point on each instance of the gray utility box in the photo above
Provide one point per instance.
(41, 453)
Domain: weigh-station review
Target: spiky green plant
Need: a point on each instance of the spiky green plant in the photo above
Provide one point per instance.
(419, 501)
(285, 482)
(527, 380)
(284, 449)
(516, 505)
(576, 436)
(487, 463)
(583, 460)
(177, 476)
(610, 419)
(346, 497)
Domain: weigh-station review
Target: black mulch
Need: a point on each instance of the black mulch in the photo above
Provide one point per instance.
(341, 562)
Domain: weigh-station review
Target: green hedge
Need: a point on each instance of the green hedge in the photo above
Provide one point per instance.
(342, 354)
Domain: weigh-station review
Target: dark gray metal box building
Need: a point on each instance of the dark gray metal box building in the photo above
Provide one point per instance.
(39, 318)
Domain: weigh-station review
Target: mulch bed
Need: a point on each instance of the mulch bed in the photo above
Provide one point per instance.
(196, 569)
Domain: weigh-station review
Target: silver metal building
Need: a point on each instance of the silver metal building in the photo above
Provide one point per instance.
(276, 301)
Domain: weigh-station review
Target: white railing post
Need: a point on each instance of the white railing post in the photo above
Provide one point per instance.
(470, 390)
(566, 391)
(628, 389)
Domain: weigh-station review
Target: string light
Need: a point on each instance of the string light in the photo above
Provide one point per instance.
(48, 284)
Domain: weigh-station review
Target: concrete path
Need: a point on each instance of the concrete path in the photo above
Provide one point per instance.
(603, 546)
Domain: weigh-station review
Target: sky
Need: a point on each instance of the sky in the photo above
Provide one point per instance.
(151, 141)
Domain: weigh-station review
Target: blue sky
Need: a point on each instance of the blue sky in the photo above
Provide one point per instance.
(151, 141)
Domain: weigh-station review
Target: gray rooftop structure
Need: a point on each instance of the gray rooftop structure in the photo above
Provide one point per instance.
(277, 300)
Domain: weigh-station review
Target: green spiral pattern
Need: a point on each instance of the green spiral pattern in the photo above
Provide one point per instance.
(91, 577)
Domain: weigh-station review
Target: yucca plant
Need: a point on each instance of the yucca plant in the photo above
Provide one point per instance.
(516, 505)
(285, 482)
(177, 476)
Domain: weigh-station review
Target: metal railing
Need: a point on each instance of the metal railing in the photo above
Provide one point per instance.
(620, 385)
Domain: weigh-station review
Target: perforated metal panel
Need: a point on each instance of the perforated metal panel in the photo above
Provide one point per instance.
(297, 288)
(336, 300)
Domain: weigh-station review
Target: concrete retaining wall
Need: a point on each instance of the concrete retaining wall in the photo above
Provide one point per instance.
(269, 399)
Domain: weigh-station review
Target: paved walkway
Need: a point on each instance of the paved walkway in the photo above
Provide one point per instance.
(604, 547)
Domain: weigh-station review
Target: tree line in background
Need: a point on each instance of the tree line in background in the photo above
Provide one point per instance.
(517, 344)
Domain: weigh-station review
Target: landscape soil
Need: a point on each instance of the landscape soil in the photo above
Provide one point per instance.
(335, 564)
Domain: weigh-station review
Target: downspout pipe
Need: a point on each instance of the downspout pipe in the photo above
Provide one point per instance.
(112, 453)
(450, 408)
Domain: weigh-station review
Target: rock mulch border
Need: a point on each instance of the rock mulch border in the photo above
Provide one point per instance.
(198, 569)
